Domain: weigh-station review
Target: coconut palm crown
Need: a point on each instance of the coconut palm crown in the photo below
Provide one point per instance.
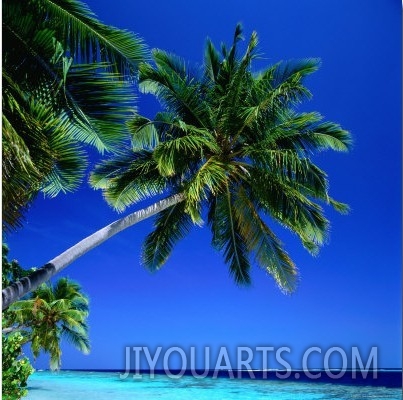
(54, 312)
(232, 143)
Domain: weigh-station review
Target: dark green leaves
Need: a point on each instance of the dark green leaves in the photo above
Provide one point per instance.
(231, 142)
(171, 225)
(263, 243)
(129, 178)
(87, 39)
(53, 312)
(228, 238)
(67, 83)
(169, 155)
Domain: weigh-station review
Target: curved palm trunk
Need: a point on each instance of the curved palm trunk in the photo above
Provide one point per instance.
(25, 285)
(6, 331)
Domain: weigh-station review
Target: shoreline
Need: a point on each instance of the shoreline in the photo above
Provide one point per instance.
(385, 377)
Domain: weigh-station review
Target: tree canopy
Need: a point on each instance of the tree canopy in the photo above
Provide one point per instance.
(53, 312)
(67, 83)
(231, 141)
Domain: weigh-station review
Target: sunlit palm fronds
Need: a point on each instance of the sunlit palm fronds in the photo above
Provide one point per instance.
(231, 140)
(51, 314)
(67, 83)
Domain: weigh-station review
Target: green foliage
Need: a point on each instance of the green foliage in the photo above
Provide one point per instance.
(67, 83)
(231, 141)
(11, 270)
(15, 369)
(52, 313)
(171, 225)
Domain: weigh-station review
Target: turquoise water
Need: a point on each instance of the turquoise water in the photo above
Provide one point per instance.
(68, 385)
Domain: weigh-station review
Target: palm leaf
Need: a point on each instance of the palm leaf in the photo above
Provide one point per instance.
(287, 71)
(99, 105)
(211, 61)
(227, 237)
(78, 339)
(129, 178)
(211, 178)
(171, 225)
(170, 155)
(170, 83)
(86, 38)
(263, 242)
(290, 167)
(306, 133)
(144, 134)
(290, 207)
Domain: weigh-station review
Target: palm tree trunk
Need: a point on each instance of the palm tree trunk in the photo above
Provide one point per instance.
(12, 329)
(25, 285)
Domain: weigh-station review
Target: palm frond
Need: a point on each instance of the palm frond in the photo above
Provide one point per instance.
(55, 355)
(211, 61)
(99, 103)
(305, 132)
(60, 63)
(290, 70)
(21, 177)
(175, 89)
(77, 338)
(129, 178)
(87, 39)
(261, 241)
(234, 90)
(211, 178)
(67, 289)
(144, 134)
(278, 86)
(290, 167)
(194, 145)
(68, 169)
(171, 225)
(287, 205)
(227, 237)
(28, 48)
(44, 292)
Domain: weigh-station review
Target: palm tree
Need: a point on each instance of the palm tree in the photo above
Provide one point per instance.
(51, 314)
(66, 82)
(229, 145)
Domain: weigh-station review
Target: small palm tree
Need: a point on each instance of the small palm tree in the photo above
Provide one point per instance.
(51, 314)
(230, 147)
(66, 83)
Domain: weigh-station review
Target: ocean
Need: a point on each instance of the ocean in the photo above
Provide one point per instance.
(109, 385)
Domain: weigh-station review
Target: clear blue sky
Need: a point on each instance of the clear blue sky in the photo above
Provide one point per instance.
(350, 295)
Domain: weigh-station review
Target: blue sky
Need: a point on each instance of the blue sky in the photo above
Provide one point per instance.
(349, 295)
